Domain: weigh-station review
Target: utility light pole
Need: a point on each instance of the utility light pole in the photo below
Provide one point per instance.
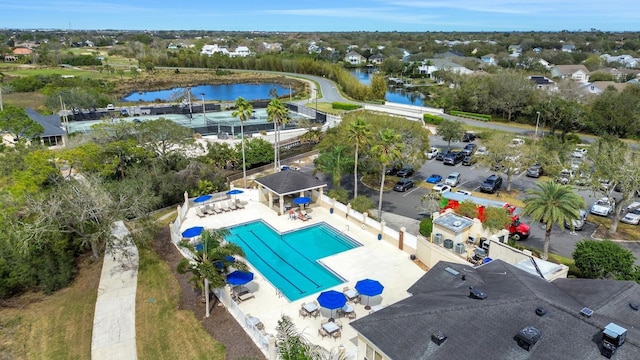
(537, 124)
(204, 111)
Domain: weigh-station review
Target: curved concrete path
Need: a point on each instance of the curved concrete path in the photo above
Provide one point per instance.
(114, 325)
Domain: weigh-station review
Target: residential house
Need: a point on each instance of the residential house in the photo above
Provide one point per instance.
(544, 83)
(598, 87)
(241, 51)
(376, 59)
(578, 73)
(515, 49)
(429, 66)
(354, 58)
(627, 61)
(214, 49)
(618, 74)
(568, 47)
(54, 134)
(22, 51)
(499, 311)
(489, 59)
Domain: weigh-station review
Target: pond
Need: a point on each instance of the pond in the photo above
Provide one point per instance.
(225, 92)
(396, 95)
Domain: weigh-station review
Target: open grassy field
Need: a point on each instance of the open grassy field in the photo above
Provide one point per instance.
(163, 331)
(35, 326)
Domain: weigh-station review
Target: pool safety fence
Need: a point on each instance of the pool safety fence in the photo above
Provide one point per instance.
(264, 340)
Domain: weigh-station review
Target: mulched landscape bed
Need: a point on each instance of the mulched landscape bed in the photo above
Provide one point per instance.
(221, 325)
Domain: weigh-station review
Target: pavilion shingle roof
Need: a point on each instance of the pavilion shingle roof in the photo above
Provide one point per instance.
(290, 182)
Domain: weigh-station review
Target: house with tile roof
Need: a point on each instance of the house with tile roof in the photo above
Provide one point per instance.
(354, 58)
(498, 311)
(429, 66)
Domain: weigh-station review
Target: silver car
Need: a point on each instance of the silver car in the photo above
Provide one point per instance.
(578, 224)
(633, 215)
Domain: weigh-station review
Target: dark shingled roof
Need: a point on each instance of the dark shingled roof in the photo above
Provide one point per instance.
(485, 329)
(290, 182)
(51, 123)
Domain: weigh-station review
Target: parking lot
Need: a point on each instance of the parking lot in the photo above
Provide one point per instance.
(408, 203)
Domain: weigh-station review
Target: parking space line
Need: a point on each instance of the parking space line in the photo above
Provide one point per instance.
(410, 191)
(462, 183)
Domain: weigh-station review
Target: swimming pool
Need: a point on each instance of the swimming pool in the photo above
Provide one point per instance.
(289, 261)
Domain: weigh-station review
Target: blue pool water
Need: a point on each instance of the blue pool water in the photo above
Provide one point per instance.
(289, 261)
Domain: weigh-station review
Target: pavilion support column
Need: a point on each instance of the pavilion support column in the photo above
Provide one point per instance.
(281, 202)
(401, 238)
(270, 200)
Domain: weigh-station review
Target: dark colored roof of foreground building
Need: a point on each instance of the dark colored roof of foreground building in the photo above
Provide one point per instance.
(290, 182)
(487, 329)
(51, 123)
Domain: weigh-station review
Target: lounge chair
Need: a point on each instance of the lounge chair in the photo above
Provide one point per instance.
(304, 213)
(209, 209)
(216, 207)
(199, 212)
(245, 296)
(231, 205)
(239, 205)
(302, 217)
(223, 206)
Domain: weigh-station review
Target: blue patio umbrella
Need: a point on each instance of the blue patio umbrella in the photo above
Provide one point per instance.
(239, 277)
(234, 192)
(220, 265)
(332, 300)
(368, 287)
(302, 200)
(192, 232)
(202, 198)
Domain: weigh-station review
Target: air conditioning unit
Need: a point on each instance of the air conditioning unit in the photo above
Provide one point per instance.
(448, 244)
(438, 238)
(460, 248)
(472, 240)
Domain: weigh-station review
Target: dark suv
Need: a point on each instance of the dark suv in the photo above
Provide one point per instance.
(492, 184)
(453, 158)
(535, 171)
(469, 149)
(468, 137)
(405, 171)
(394, 168)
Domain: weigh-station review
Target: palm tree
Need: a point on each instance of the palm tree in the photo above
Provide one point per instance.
(210, 262)
(243, 112)
(334, 162)
(293, 345)
(359, 132)
(277, 113)
(552, 203)
(388, 149)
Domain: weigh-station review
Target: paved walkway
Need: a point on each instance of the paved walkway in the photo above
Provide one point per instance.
(114, 325)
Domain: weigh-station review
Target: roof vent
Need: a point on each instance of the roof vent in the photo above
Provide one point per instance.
(438, 337)
(528, 337)
(476, 294)
(635, 306)
(451, 271)
(541, 311)
(613, 336)
(586, 312)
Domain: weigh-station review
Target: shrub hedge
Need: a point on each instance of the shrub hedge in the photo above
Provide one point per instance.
(344, 106)
(432, 119)
(470, 115)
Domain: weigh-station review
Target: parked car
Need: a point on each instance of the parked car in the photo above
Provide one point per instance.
(469, 136)
(393, 168)
(440, 188)
(453, 179)
(453, 158)
(463, 192)
(441, 155)
(434, 179)
(579, 152)
(469, 160)
(603, 207)
(578, 224)
(404, 185)
(405, 171)
(517, 142)
(632, 217)
(432, 153)
(565, 177)
(469, 149)
(482, 151)
(535, 171)
(110, 107)
(491, 184)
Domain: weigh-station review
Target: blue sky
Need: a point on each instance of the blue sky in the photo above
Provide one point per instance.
(327, 15)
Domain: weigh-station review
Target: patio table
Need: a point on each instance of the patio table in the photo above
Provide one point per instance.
(310, 307)
(330, 327)
(351, 294)
(347, 308)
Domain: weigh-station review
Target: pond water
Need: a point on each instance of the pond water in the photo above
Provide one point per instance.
(226, 92)
(396, 95)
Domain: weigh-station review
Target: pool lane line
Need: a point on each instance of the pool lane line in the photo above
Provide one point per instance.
(269, 265)
(285, 261)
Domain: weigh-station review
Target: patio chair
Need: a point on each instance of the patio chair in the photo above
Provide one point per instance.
(223, 206)
(199, 212)
(351, 315)
(315, 313)
(322, 332)
(339, 323)
(303, 313)
(209, 209)
(323, 321)
(337, 334)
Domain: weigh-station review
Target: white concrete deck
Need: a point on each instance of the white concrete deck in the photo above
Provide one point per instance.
(375, 259)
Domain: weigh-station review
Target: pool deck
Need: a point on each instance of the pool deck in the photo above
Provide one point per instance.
(376, 259)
